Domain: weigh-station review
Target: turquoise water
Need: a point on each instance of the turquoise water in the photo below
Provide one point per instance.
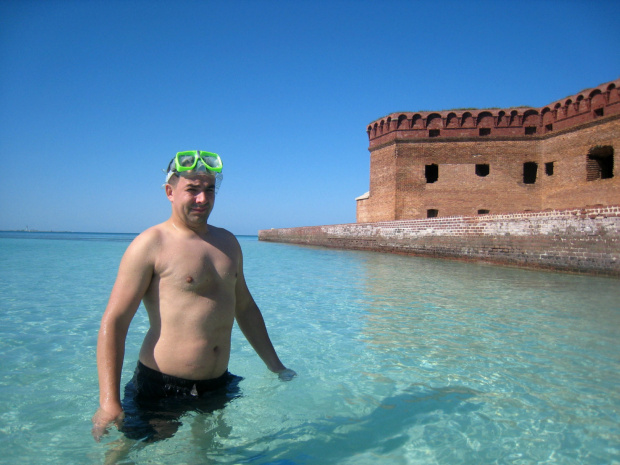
(401, 361)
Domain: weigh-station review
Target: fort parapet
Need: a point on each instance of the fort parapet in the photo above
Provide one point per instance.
(531, 187)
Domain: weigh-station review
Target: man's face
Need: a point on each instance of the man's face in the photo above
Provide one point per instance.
(193, 197)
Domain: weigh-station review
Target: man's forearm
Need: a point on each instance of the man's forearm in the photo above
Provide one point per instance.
(252, 325)
(110, 354)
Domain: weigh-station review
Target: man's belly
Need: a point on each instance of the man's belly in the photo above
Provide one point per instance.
(188, 358)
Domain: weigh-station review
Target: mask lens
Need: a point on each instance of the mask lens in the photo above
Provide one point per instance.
(212, 160)
(186, 161)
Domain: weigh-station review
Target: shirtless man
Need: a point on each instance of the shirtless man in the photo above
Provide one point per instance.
(189, 274)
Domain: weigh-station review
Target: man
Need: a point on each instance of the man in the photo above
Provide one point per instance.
(189, 274)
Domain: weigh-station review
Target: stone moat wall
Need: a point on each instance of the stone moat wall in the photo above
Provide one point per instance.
(583, 240)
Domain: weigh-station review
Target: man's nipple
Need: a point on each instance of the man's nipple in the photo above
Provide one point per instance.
(189, 279)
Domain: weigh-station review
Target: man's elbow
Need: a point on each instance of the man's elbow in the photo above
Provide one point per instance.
(113, 324)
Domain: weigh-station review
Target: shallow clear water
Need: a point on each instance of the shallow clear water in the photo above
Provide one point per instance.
(401, 360)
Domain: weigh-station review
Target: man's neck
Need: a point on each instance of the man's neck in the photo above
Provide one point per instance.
(181, 226)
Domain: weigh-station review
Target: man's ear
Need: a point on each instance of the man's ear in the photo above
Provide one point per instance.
(169, 191)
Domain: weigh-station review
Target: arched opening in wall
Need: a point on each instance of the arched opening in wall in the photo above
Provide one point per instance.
(579, 103)
(501, 118)
(434, 121)
(467, 120)
(549, 168)
(514, 118)
(432, 213)
(403, 122)
(431, 172)
(530, 169)
(600, 163)
(417, 122)
(482, 170)
(483, 211)
(452, 121)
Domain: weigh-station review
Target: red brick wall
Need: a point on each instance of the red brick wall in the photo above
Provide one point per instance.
(565, 132)
(577, 240)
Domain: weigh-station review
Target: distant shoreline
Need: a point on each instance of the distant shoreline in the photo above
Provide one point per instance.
(85, 232)
(40, 230)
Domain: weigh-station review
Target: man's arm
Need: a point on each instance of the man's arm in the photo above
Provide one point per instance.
(252, 324)
(134, 276)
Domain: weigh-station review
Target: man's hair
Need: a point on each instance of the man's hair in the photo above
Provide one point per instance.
(174, 180)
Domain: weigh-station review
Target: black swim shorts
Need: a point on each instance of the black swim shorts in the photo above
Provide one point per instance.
(154, 402)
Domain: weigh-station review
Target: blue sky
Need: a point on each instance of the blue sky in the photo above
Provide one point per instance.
(97, 96)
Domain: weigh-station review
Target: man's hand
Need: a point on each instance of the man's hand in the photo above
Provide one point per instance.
(286, 374)
(103, 418)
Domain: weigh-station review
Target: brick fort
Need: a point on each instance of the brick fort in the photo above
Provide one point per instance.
(532, 187)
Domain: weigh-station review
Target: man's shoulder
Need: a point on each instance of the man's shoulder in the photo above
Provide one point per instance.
(148, 239)
(221, 232)
(224, 236)
(153, 234)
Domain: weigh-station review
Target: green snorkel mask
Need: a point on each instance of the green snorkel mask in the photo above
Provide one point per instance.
(195, 162)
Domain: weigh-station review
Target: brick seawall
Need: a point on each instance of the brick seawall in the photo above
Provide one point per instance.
(584, 240)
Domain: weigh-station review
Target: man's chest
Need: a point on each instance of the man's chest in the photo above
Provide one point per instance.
(199, 269)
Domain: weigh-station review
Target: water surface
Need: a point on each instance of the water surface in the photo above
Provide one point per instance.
(401, 360)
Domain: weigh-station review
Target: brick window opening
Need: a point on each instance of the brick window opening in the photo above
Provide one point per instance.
(549, 168)
(530, 130)
(600, 163)
(433, 132)
(530, 169)
(432, 213)
(484, 131)
(432, 173)
(482, 170)
(599, 112)
(548, 127)
(483, 212)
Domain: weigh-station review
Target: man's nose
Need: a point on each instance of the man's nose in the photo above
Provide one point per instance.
(205, 196)
(201, 197)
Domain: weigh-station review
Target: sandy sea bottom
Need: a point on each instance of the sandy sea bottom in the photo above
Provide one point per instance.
(401, 360)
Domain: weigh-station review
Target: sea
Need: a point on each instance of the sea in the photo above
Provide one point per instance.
(399, 360)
